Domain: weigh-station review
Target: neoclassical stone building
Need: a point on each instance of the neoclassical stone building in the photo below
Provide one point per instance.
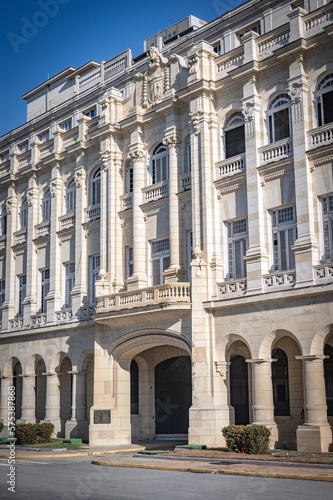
(166, 247)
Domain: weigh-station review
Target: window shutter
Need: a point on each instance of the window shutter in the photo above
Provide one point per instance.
(291, 240)
(156, 274)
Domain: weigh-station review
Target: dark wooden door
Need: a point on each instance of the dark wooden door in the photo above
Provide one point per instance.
(239, 390)
(173, 395)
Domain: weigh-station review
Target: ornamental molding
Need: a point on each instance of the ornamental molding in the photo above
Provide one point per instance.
(195, 119)
(156, 80)
(136, 155)
(172, 140)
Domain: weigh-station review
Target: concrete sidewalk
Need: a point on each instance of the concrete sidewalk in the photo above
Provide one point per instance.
(132, 456)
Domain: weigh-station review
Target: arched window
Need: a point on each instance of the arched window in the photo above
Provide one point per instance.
(187, 159)
(24, 213)
(159, 164)
(46, 205)
(95, 193)
(280, 381)
(134, 370)
(3, 221)
(234, 135)
(324, 99)
(71, 196)
(328, 374)
(279, 118)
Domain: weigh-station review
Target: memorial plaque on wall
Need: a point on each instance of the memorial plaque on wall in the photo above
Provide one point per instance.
(102, 416)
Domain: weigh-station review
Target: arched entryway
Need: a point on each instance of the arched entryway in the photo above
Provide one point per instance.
(65, 379)
(239, 389)
(173, 395)
(40, 390)
(328, 374)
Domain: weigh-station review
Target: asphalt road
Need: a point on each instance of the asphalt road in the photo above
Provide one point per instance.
(77, 479)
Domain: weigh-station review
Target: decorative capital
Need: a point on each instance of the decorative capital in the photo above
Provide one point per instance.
(221, 368)
(104, 157)
(247, 111)
(136, 155)
(53, 188)
(195, 119)
(172, 140)
(30, 196)
(78, 178)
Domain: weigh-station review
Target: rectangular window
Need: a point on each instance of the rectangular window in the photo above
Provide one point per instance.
(129, 180)
(188, 165)
(23, 147)
(94, 268)
(160, 260)
(67, 125)
(44, 136)
(2, 294)
(91, 113)
(237, 246)
(327, 206)
(189, 241)
(284, 236)
(69, 282)
(217, 48)
(4, 156)
(44, 288)
(129, 261)
(22, 278)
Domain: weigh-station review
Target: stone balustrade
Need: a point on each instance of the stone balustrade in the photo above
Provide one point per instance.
(92, 126)
(93, 213)
(185, 182)
(232, 286)
(46, 149)
(70, 137)
(276, 151)
(16, 323)
(156, 191)
(43, 229)
(230, 60)
(126, 201)
(20, 237)
(320, 136)
(38, 319)
(231, 166)
(315, 20)
(24, 159)
(279, 278)
(167, 293)
(64, 315)
(67, 221)
(323, 272)
(271, 41)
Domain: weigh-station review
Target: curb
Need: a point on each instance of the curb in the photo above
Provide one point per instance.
(69, 455)
(204, 470)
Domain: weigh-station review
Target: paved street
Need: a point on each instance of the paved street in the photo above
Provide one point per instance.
(77, 478)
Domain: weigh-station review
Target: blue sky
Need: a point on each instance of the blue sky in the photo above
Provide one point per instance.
(40, 38)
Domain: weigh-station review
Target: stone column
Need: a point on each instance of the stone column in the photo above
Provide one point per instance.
(171, 275)
(315, 434)
(8, 307)
(71, 426)
(54, 297)
(263, 404)
(79, 292)
(5, 383)
(306, 247)
(139, 276)
(30, 301)
(256, 255)
(28, 408)
(52, 407)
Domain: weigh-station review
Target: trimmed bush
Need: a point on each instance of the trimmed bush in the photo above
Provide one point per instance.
(33, 433)
(1, 426)
(250, 439)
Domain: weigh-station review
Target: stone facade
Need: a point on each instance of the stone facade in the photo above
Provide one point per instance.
(166, 247)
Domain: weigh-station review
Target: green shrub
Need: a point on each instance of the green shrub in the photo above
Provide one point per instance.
(33, 433)
(1, 426)
(250, 439)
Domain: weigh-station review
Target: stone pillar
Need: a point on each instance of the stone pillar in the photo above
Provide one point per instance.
(8, 307)
(54, 297)
(171, 275)
(71, 426)
(315, 435)
(306, 247)
(30, 301)
(79, 292)
(5, 383)
(28, 408)
(139, 276)
(263, 405)
(52, 407)
(256, 255)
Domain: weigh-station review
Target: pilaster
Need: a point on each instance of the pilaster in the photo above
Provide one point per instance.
(315, 435)
(173, 274)
(28, 414)
(263, 404)
(137, 156)
(8, 307)
(79, 291)
(52, 406)
(54, 297)
(30, 301)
